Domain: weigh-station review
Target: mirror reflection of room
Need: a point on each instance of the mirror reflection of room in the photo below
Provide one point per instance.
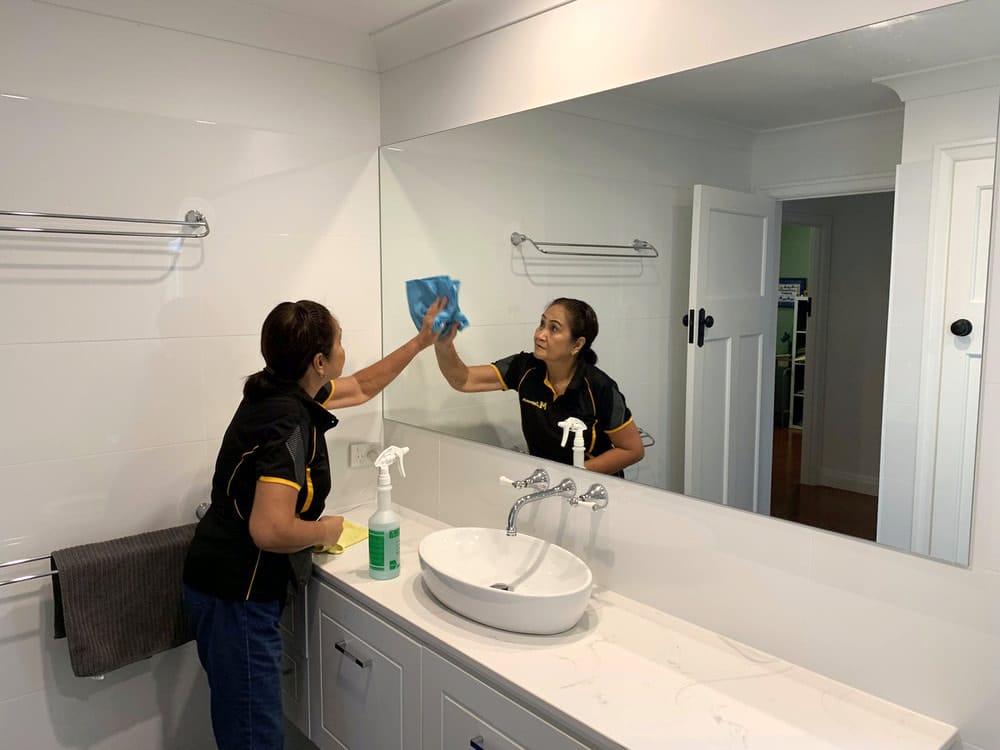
(806, 341)
(848, 240)
(560, 390)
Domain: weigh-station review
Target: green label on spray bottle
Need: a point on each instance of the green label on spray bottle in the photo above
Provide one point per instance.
(376, 550)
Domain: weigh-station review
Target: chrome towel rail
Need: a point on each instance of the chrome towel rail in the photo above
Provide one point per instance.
(193, 220)
(199, 513)
(639, 248)
(29, 577)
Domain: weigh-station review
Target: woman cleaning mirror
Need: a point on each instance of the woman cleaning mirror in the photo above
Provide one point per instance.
(559, 380)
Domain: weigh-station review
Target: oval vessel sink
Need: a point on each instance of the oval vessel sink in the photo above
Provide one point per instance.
(517, 583)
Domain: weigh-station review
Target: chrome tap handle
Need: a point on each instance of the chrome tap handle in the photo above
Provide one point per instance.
(596, 498)
(539, 478)
(566, 488)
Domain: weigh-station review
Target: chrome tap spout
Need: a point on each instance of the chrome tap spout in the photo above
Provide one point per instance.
(566, 488)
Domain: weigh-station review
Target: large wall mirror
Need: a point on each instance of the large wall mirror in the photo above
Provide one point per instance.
(825, 206)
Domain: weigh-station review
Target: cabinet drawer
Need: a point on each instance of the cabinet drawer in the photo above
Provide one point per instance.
(463, 713)
(364, 679)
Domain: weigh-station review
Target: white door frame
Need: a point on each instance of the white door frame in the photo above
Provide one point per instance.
(944, 159)
(815, 377)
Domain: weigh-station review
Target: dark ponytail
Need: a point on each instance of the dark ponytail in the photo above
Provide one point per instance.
(582, 323)
(293, 333)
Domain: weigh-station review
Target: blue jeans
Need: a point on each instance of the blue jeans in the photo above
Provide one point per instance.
(239, 644)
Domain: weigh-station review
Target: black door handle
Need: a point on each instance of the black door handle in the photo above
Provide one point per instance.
(687, 320)
(704, 321)
(961, 327)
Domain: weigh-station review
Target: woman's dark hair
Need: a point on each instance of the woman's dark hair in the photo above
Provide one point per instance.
(293, 333)
(582, 322)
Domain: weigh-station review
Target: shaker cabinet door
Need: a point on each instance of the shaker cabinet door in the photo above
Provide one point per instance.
(364, 679)
(463, 713)
(294, 663)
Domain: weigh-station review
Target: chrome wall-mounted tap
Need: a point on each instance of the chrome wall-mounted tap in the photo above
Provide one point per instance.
(566, 488)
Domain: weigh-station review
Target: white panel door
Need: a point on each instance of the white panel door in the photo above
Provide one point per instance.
(968, 244)
(731, 340)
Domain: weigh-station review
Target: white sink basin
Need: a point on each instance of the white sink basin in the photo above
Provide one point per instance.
(518, 583)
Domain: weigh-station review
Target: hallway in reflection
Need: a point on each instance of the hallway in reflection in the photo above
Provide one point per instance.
(823, 507)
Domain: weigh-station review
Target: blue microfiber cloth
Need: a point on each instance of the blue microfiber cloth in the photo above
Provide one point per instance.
(421, 293)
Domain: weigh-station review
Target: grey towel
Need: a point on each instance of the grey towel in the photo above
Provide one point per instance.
(120, 601)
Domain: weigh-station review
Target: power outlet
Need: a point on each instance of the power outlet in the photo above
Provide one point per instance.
(363, 454)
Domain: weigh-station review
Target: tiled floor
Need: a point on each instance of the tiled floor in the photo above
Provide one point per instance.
(824, 507)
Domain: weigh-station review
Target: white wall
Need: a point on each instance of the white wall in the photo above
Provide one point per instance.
(120, 370)
(848, 155)
(857, 306)
(450, 202)
(589, 46)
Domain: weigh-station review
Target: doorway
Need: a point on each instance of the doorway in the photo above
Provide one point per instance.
(830, 358)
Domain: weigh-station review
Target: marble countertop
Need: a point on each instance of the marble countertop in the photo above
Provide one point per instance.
(632, 676)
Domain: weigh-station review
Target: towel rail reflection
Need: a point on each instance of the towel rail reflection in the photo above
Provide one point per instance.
(639, 248)
(193, 220)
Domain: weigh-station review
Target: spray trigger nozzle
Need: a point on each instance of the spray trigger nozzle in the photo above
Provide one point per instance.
(576, 426)
(389, 456)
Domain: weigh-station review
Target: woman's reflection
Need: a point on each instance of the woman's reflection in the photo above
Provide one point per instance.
(560, 379)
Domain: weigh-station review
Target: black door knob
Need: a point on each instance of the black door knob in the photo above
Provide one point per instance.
(961, 327)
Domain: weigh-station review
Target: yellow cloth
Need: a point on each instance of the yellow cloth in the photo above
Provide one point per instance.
(352, 534)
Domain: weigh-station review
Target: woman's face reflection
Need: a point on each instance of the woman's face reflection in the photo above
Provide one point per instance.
(554, 341)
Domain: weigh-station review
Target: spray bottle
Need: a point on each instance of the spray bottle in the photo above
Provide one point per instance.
(383, 526)
(578, 428)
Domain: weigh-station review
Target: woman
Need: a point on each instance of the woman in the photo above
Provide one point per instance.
(558, 380)
(271, 480)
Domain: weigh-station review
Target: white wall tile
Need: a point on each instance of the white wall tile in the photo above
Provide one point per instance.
(76, 399)
(123, 362)
(160, 702)
(419, 490)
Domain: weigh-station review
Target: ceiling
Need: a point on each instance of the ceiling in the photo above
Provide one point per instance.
(830, 77)
(368, 16)
(374, 35)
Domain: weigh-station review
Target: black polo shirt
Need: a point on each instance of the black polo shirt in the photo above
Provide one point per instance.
(592, 397)
(274, 437)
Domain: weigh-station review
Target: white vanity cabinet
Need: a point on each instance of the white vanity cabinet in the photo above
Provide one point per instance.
(364, 679)
(372, 687)
(461, 711)
(295, 662)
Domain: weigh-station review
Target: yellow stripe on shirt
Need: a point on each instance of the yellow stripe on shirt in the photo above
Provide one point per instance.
(503, 382)
(279, 480)
(622, 426)
(333, 387)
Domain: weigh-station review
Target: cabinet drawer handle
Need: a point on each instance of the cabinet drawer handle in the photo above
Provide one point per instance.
(341, 646)
(476, 743)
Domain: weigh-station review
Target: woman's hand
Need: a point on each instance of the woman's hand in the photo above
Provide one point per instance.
(447, 337)
(331, 529)
(427, 335)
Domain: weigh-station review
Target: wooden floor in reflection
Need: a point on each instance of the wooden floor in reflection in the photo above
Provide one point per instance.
(823, 507)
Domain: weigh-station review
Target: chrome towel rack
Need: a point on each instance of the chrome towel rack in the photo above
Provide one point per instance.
(29, 577)
(199, 514)
(193, 220)
(639, 248)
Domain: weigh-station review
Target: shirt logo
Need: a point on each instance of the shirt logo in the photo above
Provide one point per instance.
(537, 404)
